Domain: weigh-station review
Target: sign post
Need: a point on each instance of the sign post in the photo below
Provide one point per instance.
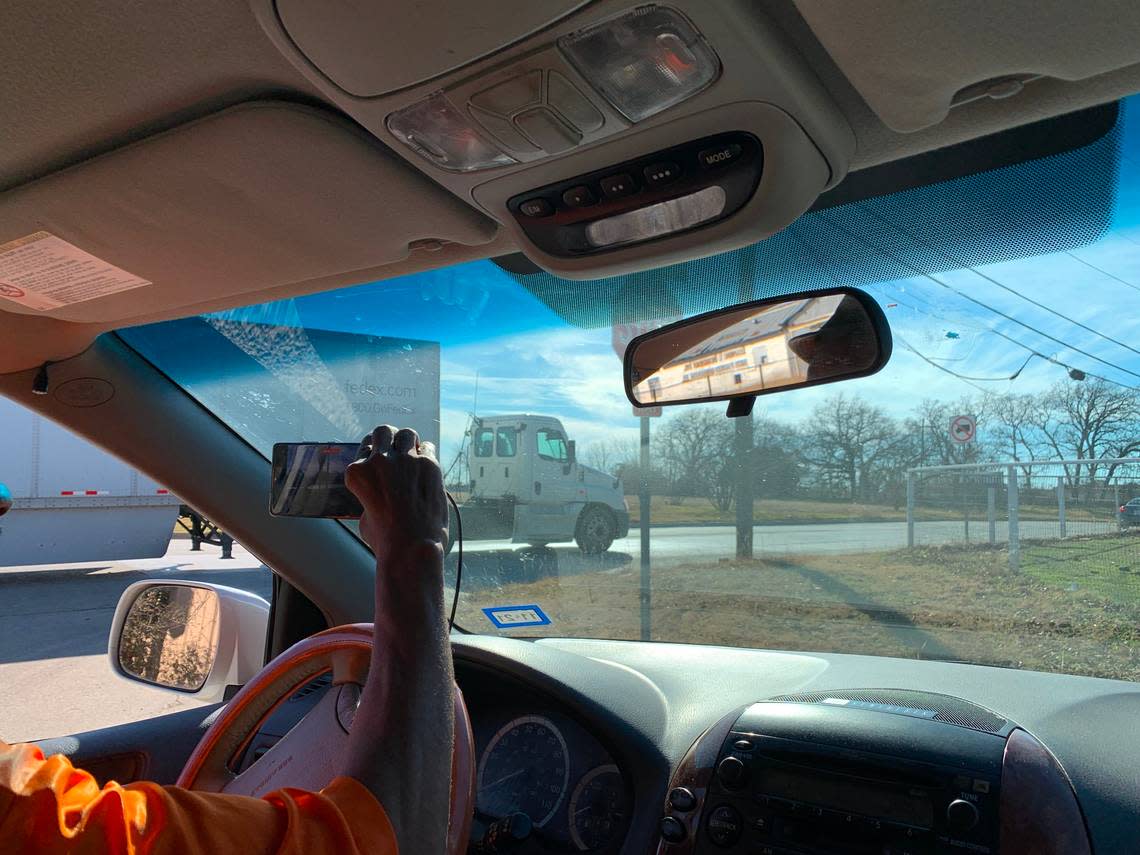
(622, 335)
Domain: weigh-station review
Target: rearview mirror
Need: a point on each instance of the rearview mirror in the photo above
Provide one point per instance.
(757, 348)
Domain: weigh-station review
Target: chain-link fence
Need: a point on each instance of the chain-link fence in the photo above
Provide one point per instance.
(1067, 523)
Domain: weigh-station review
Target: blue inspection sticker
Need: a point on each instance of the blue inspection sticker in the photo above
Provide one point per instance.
(513, 617)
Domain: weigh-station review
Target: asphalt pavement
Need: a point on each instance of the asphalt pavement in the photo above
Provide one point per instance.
(674, 546)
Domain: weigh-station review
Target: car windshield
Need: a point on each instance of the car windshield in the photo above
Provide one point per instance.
(966, 503)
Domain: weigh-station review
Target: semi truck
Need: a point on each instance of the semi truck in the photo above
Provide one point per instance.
(69, 501)
(524, 483)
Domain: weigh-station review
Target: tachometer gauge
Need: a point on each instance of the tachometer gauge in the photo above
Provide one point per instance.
(597, 808)
(526, 767)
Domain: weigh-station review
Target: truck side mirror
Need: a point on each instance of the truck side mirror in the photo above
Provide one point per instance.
(188, 637)
(572, 450)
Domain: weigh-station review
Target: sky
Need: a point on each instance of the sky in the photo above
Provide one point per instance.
(503, 350)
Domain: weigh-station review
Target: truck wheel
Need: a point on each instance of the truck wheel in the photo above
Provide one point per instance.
(595, 531)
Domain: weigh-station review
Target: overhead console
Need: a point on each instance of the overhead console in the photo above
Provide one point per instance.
(875, 772)
(589, 139)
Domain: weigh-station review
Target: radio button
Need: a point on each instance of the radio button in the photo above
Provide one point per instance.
(725, 826)
(672, 829)
(762, 823)
(961, 816)
(732, 772)
(908, 840)
(682, 799)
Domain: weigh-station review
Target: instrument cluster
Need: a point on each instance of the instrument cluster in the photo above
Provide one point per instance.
(544, 783)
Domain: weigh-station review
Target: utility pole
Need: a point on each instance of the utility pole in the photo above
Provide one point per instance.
(744, 486)
(644, 499)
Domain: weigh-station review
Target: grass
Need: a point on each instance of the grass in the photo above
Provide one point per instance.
(693, 510)
(696, 510)
(949, 603)
(1106, 566)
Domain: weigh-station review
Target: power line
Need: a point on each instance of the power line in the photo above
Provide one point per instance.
(1060, 315)
(965, 378)
(969, 381)
(985, 306)
(1104, 272)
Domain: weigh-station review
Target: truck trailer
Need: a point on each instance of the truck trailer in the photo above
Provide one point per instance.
(70, 501)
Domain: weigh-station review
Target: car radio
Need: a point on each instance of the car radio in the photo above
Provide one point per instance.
(874, 772)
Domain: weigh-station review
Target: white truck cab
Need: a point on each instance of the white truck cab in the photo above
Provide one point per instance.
(527, 484)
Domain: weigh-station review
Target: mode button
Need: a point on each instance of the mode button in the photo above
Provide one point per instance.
(721, 155)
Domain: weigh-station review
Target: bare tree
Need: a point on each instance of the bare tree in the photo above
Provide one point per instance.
(694, 447)
(775, 463)
(599, 455)
(1086, 420)
(1012, 427)
(847, 440)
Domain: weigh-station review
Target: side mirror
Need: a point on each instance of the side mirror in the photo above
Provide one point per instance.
(768, 346)
(5, 499)
(188, 637)
(572, 450)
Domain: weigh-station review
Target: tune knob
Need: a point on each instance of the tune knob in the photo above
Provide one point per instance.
(961, 815)
(732, 772)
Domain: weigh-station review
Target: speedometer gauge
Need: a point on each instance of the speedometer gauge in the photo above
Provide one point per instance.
(597, 808)
(526, 768)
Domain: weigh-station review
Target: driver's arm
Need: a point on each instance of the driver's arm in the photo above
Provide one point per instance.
(399, 751)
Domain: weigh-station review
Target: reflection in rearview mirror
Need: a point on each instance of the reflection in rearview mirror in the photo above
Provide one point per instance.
(170, 636)
(761, 347)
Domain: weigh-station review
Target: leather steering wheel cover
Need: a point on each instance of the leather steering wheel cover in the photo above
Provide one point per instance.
(346, 651)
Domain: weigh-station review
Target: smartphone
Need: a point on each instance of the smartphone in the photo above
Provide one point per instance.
(308, 480)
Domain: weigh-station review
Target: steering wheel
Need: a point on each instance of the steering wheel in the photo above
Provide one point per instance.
(310, 755)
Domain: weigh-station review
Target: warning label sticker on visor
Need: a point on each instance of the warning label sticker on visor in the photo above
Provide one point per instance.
(43, 272)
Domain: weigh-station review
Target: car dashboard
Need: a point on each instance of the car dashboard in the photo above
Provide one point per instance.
(626, 747)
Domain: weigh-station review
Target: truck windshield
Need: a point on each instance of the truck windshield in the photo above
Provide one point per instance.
(552, 445)
(967, 503)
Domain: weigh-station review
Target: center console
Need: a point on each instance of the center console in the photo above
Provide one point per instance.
(874, 772)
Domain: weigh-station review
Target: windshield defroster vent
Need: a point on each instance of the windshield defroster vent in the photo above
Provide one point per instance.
(928, 705)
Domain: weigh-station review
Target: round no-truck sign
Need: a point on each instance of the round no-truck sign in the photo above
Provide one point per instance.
(963, 428)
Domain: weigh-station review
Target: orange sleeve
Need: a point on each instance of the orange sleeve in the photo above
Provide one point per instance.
(47, 806)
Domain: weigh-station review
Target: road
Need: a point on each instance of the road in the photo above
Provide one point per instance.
(678, 545)
(54, 621)
(53, 643)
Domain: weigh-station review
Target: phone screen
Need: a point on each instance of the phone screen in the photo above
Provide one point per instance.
(308, 480)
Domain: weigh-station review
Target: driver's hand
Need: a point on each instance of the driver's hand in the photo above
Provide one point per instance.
(398, 481)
